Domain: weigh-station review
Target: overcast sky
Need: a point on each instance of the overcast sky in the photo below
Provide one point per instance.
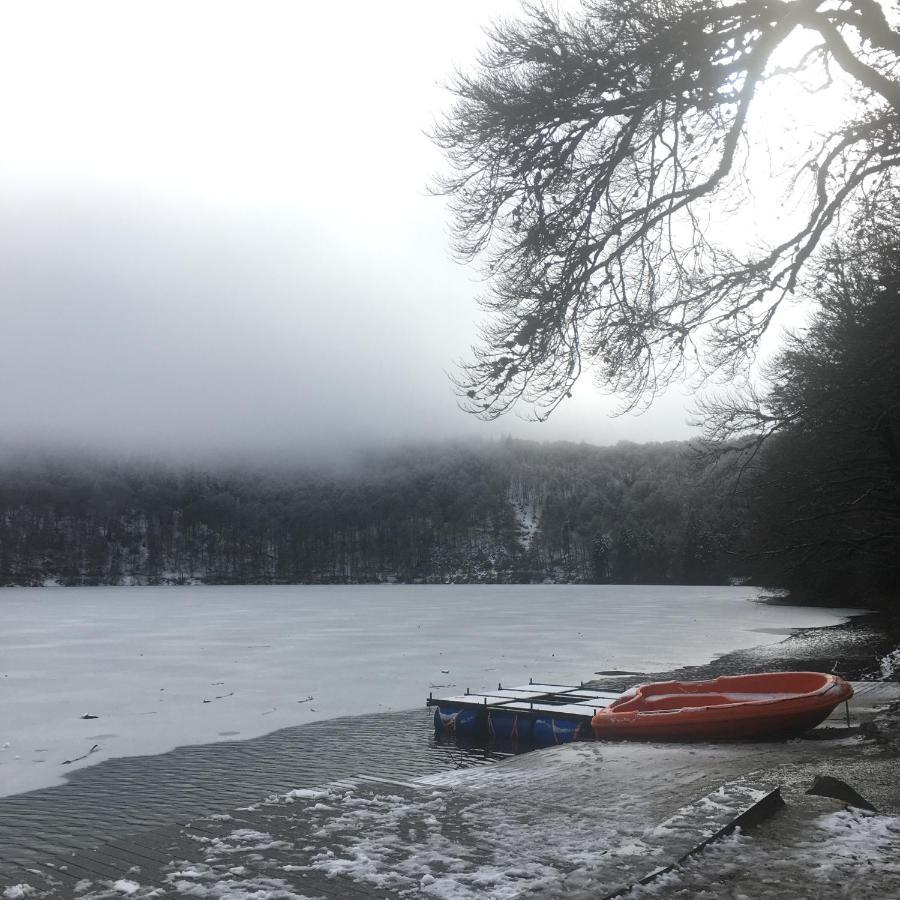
(215, 233)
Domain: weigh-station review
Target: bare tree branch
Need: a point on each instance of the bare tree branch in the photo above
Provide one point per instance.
(586, 153)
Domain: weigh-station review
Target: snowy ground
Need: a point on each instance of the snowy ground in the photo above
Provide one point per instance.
(816, 848)
(890, 664)
(92, 673)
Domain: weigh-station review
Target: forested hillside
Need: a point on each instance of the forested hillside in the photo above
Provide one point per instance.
(511, 511)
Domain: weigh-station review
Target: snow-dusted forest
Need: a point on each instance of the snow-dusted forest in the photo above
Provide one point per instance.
(510, 511)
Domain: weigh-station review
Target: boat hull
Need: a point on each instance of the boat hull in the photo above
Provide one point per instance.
(740, 707)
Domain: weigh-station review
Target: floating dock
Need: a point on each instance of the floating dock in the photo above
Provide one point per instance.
(535, 713)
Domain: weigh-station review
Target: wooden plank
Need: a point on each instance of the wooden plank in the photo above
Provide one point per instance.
(467, 700)
(478, 699)
(546, 688)
(594, 704)
(519, 693)
(586, 694)
(566, 710)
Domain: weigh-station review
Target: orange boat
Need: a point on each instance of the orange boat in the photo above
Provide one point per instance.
(770, 705)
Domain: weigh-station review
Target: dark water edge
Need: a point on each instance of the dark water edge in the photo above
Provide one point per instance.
(135, 794)
(851, 649)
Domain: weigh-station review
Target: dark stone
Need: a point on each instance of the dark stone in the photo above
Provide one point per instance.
(827, 786)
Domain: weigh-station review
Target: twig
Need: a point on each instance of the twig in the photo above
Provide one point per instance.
(220, 697)
(67, 762)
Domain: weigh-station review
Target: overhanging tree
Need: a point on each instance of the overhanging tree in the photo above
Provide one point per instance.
(588, 152)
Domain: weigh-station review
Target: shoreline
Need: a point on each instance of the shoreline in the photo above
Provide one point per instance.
(234, 674)
(851, 649)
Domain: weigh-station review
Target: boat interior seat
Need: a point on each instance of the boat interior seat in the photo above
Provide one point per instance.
(681, 700)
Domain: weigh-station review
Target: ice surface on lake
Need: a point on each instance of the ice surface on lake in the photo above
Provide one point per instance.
(162, 667)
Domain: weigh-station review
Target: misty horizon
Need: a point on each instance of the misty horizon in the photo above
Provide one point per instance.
(334, 461)
(192, 269)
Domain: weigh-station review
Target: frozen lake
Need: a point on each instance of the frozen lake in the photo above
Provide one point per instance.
(163, 667)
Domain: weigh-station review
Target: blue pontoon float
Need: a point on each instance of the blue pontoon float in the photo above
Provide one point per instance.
(536, 713)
